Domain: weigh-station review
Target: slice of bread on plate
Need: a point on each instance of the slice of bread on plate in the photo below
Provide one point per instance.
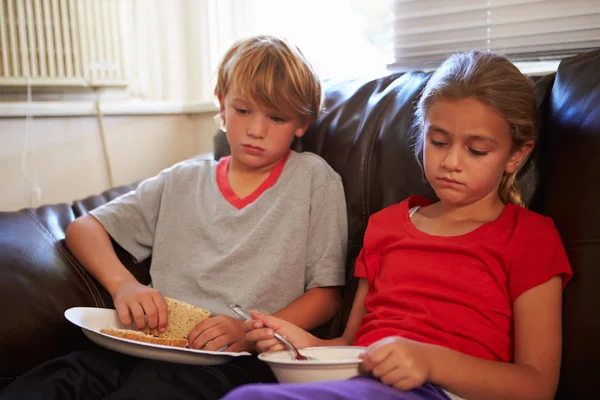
(142, 337)
(182, 318)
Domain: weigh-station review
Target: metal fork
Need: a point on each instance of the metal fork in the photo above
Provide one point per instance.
(246, 315)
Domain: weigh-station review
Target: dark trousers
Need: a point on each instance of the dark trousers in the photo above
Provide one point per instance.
(103, 374)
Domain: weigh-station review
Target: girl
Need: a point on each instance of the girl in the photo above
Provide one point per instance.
(460, 298)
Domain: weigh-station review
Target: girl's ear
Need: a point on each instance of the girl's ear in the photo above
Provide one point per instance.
(517, 157)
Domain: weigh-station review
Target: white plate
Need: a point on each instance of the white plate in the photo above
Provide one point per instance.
(334, 363)
(91, 320)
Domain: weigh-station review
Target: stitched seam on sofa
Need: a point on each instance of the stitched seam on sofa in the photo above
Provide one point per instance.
(362, 194)
(582, 243)
(368, 158)
(84, 274)
(366, 165)
(92, 289)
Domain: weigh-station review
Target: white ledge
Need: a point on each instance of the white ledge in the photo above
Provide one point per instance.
(108, 107)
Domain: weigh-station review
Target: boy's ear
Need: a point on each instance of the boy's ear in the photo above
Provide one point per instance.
(221, 112)
(301, 129)
(221, 105)
(517, 157)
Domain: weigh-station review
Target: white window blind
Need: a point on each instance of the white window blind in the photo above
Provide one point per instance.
(62, 42)
(425, 32)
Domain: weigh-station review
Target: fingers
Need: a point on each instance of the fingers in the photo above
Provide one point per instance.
(252, 324)
(267, 320)
(214, 333)
(123, 312)
(400, 380)
(206, 338)
(217, 343)
(385, 368)
(262, 337)
(374, 357)
(146, 305)
(163, 312)
(138, 314)
(256, 335)
(217, 332)
(202, 327)
(150, 311)
(380, 363)
(265, 346)
(149, 308)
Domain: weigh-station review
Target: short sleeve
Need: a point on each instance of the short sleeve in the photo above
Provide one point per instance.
(360, 268)
(131, 218)
(369, 258)
(538, 256)
(327, 240)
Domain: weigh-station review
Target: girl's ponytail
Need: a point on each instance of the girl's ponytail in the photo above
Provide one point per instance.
(510, 190)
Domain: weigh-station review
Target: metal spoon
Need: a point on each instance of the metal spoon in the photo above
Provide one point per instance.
(246, 315)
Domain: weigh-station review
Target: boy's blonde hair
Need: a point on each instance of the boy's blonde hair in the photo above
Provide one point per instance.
(496, 82)
(273, 74)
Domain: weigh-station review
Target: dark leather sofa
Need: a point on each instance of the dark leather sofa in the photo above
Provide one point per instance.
(365, 135)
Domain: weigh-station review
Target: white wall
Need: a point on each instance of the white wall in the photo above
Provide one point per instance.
(171, 50)
(69, 158)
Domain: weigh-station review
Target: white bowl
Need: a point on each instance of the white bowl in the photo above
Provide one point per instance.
(334, 364)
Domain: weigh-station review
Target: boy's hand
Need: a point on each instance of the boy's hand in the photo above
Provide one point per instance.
(397, 362)
(262, 328)
(218, 332)
(144, 303)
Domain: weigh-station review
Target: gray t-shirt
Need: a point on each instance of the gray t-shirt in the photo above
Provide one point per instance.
(207, 252)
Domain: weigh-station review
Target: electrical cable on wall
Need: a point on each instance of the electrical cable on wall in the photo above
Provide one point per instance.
(100, 120)
(36, 190)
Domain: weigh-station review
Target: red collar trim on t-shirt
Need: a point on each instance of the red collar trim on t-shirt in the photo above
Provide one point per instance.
(489, 229)
(229, 194)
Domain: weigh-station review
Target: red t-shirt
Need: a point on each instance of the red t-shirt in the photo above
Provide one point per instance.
(455, 291)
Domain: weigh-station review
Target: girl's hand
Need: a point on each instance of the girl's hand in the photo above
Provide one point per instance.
(217, 332)
(145, 304)
(398, 362)
(261, 331)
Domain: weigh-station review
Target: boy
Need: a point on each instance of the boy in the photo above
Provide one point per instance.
(265, 228)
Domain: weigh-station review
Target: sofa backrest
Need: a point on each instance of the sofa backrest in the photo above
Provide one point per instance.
(571, 197)
(365, 135)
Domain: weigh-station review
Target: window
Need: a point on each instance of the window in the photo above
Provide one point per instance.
(427, 31)
(179, 43)
(166, 52)
(342, 38)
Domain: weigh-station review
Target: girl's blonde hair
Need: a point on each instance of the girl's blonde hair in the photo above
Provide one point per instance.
(273, 74)
(494, 81)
